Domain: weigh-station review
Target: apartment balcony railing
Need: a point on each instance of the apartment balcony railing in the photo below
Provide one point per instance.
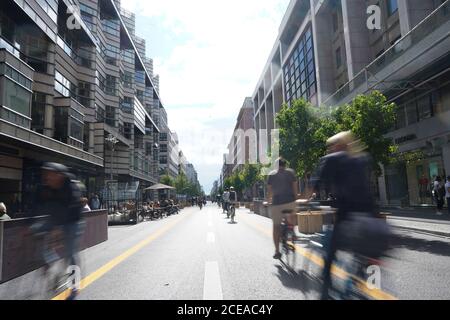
(368, 77)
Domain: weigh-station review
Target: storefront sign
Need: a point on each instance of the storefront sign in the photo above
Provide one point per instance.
(405, 139)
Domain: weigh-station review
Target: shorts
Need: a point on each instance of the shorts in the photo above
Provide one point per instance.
(276, 211)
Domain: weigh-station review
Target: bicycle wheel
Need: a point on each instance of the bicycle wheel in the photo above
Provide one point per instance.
(289, 251)
(232, 214)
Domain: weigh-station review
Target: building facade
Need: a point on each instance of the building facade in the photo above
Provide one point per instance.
(75, 89)
(327, 54)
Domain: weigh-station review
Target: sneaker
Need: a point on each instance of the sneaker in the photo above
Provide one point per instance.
(277, 256)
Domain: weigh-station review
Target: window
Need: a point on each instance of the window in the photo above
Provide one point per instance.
(16, 98)
(163, 159)
(84, 93)
(299, 76)
(392, 7)
(110, 117)
(140, 95)
(411, 112)
(111, 85)
(338, 58)
(127, 79)
(99, 114)
(64, 86)
(335, 22)
(163, 136)
(127, 130)
(38, 112)
(163, 148)
(76, 129)
(425, 107)
(401, 117)
(127, 104)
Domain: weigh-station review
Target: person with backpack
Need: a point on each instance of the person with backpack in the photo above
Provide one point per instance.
(59, 197)
(439, 194)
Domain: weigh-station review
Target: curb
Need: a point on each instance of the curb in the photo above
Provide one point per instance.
(435, 233)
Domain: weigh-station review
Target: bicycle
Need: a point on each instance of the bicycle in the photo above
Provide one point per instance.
(288, 239)
(55, 275)
(231, 211)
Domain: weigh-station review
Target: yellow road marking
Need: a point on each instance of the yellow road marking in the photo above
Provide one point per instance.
(339, 272)
(119, 259)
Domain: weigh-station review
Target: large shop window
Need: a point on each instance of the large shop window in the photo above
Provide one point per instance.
(16, 98)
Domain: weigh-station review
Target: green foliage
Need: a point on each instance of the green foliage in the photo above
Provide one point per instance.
(370, 117)
(251, 174)
(167, 180)
(182, 184)
(304, 129)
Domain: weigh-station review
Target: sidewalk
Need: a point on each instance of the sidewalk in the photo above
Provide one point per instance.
(420, 219)
(423, 220)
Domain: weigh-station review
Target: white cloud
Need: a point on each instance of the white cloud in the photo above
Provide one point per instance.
(223, 48)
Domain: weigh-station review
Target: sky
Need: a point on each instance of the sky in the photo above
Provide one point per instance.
(209, 55)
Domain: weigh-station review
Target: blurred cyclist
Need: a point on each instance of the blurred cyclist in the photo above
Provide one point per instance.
(232, 199)
(226, 200)
(282, 191)
(59, 197)
(345, 172)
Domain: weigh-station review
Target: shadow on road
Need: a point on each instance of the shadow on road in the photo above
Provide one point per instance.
(298, 280)
(436, 247)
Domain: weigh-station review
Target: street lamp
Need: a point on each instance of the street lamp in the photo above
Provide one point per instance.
(113, 141)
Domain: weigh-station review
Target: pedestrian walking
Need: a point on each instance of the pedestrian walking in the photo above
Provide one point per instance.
(439, 194)
(447, 193)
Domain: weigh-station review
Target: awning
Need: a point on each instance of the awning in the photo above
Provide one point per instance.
(160, 186)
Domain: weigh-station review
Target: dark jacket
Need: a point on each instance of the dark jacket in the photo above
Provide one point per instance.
(348, 179)
(63, 205)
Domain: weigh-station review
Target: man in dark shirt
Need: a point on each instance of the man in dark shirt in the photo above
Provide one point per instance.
(59, 197)
(347, 176)
(282, 192)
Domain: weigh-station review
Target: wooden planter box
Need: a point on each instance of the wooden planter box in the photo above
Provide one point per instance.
(310, 223)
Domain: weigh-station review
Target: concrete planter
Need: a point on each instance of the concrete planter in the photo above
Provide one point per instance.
(19, 250)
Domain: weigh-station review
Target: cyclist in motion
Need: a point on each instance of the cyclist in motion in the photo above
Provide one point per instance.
(59, 197)
(345, 172)
(282, 192)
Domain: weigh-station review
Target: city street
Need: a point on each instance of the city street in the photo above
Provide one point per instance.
(199, 255)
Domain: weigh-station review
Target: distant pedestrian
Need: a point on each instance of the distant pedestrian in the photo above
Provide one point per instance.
(447, 193)
(3, 215)
(439, 194)
(84, 203)
(95, 202)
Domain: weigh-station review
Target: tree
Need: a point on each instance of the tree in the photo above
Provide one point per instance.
(182, 184)
(167, 180)
(304, 130)
(370, 117)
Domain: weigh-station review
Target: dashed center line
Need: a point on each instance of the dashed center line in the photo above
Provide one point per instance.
(212, 288)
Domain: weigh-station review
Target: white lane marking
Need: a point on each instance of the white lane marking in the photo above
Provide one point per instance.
(211, 237)
(212, 288)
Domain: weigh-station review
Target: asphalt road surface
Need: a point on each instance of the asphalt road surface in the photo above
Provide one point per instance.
(199, 254)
